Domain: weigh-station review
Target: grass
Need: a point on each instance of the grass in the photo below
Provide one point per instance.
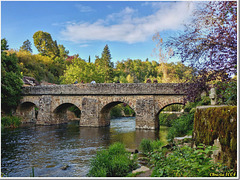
(112, 162)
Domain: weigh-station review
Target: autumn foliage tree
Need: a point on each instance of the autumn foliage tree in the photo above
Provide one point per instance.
(209, 43)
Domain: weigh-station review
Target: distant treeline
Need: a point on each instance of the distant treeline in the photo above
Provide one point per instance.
(68, 69)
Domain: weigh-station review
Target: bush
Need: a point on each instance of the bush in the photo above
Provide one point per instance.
(116, 111)
(186, 162)
(181, 126)
(166, 119)
(227, 92)
(10, 121)
(147, 146)
(112, 162)
(184, 124)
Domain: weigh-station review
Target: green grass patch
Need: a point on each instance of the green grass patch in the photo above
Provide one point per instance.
(147, 146)
(112, 162)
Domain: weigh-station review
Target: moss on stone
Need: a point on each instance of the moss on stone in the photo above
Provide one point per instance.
(211, 123)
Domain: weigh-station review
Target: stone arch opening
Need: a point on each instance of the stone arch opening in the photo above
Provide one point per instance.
(169, 113)
(28, 111)
(66, 112)
(115, 109)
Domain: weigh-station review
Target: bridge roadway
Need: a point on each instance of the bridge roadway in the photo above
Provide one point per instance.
(46, 105)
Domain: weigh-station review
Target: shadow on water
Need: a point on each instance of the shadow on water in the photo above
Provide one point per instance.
(63, 150)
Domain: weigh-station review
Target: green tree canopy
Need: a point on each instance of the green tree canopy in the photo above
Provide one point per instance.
(45, 45)
(63, 53)
(11, 82)
(4, 45)
(27, 46)
(104, 65)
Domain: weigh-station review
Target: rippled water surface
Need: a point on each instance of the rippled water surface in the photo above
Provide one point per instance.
(64, 150)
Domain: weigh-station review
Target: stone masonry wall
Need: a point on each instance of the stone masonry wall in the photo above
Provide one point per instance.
(95, 109)
(107, 88)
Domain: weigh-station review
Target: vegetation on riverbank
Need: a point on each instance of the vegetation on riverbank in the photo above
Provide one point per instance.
(122, 110)
(10, 122)
(112, 162)
(182, 125)
(186, 162)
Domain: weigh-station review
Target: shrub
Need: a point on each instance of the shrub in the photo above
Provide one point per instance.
(184, 124)
(112, 162)
(116, 111)
(166, 119)
(227, 92)
(10, 121)
(181, 126)
(147, 146)
(186, 162)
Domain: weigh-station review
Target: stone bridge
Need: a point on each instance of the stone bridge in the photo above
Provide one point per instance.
(46, 105)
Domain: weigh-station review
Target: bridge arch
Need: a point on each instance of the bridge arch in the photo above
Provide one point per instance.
(28, 111)
(63, 113)
(105, 116)
(167, 106)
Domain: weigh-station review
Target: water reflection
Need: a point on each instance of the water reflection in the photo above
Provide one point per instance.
(49, 148)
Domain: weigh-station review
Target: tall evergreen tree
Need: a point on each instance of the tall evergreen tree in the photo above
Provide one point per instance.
(27, 46)
(89, 59)
(107, 64)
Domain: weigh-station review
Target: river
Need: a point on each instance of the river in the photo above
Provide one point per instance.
(65, 150)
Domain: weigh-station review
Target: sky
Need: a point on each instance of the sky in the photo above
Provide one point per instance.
(85, 27)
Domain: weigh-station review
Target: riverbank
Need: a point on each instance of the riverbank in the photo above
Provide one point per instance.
(182, 160)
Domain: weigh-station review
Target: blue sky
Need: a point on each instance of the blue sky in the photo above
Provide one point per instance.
(85, 27)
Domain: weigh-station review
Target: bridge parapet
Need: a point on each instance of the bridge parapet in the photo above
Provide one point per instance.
(108, 89)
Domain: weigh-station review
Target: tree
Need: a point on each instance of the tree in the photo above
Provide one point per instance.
(45, 45)
(163, 56)
(105, 65)
(209, 43)
(89, 59)
(4, 45)
(80, 70)
(11, 82)
(63, 53)
(26, 46)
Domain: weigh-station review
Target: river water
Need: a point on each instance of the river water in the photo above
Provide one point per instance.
(65, 150)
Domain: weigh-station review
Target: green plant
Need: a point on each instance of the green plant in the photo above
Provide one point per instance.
(185, 162)
(116, 111)
(227, 92)
(181, 126)
(167, 119)
(10, 121)
(112, 162)
(32, 173)
(147, 146)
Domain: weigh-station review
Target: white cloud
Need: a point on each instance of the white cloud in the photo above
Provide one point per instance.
(126, 27)
(83, 8)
